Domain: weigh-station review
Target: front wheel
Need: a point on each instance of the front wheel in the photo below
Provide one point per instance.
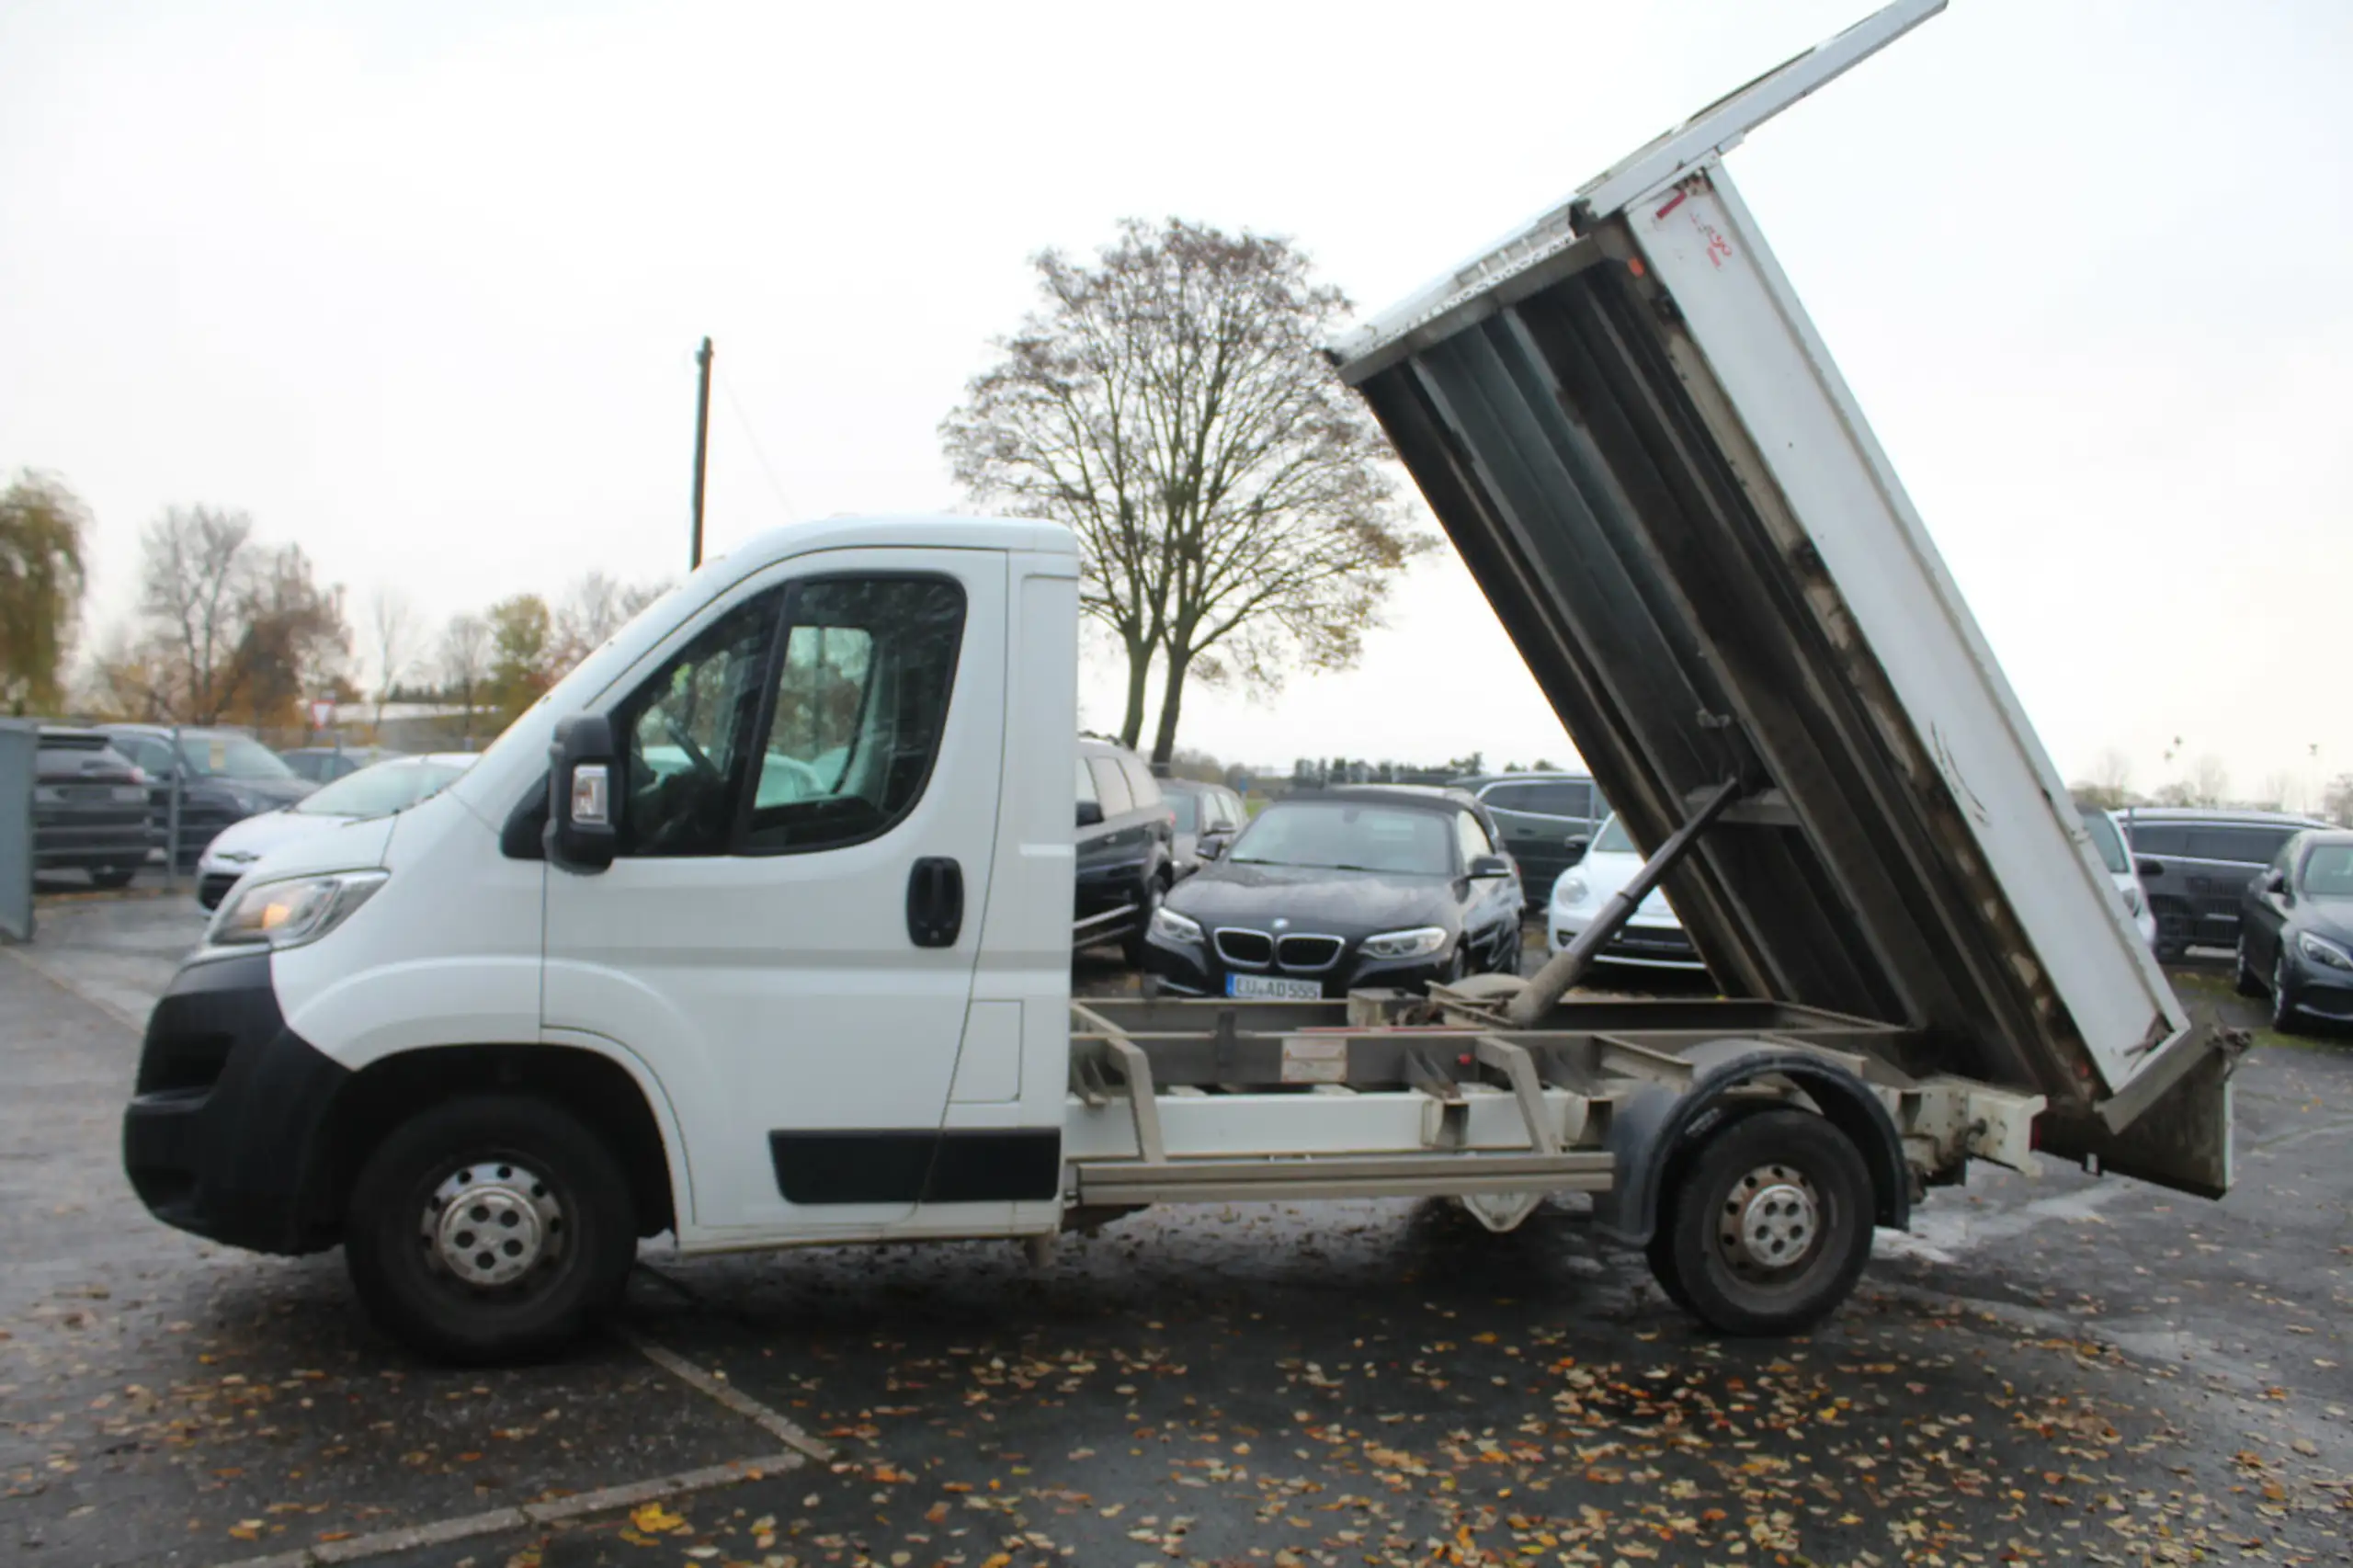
(2285, 1016)
(1770, 1226)
(491, 1227)
(1133, 945)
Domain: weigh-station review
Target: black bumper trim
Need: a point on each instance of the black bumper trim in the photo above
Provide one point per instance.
(225, 1136)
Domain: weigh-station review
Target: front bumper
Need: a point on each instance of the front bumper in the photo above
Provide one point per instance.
(1192, 969)
(1637, 946)
(2319, 991)
(225, 1136)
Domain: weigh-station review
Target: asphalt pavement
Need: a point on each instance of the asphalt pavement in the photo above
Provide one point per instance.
(2061, 1368)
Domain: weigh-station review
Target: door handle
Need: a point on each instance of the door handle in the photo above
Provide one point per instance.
(935, 901)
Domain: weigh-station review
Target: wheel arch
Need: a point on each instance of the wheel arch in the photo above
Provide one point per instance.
(1654, 1135)
(611, 1095)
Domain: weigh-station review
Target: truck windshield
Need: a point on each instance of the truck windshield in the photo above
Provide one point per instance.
(1342, 837)
(377, 791)
(214, 754)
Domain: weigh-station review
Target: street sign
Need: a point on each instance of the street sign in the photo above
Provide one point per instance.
(322, 714)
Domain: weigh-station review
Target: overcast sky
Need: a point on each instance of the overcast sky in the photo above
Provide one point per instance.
(418, 285)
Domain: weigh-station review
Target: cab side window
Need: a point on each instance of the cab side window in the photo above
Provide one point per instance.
(861, 698)
(687, 736)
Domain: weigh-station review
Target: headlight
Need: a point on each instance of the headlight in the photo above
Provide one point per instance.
(1171, 926)
(1569, 892)
(2323, 952)
(1411, 944)
(288, 914)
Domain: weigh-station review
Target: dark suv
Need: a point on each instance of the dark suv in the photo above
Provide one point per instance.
(1126, 847)
(224, 777)
(2204, 859)
(89, 807)
(1547, 820)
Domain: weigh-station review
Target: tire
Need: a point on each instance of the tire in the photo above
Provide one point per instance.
(1742, 1167)
(1131, 946)
(2246, 981)
(579, 1210)
(112, 878)
(1659, 1253)
(2285, 1016)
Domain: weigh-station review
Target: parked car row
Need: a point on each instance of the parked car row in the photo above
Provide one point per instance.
(379, 790)
(102, 800)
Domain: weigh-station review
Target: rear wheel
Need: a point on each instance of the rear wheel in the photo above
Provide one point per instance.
(1770, 1226)
(491, 1227)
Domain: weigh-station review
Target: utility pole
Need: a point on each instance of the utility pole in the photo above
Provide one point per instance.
(702, 447)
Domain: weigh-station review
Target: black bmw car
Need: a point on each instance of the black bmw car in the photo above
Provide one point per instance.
(2296, 931)
(1333, 890)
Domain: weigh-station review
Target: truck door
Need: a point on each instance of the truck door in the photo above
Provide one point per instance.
(786, 936)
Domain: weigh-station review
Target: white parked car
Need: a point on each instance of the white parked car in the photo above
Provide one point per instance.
(1653, 938)
(372, 791)
(2116, 854)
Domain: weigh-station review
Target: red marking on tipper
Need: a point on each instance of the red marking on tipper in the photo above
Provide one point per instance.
(1672, 203)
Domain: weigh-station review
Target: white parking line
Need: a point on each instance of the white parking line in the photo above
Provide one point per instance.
(555, 1511)
(775, 1425)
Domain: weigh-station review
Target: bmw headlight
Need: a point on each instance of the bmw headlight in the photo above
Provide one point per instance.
(2323, 952)
(1171, 926)
(1413, 944)
(295, 910)
(1569, 892)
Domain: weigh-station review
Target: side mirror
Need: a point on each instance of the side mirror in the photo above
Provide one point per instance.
(1576, 843)
(1090, 812)
(1485, 865)
(1208, 848)
(584, 817)
(2275, 880)
(2148, 870)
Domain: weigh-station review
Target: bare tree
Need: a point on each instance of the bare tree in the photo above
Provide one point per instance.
(193, 588)
(2336, 800)
(591, 610)
(2279, 792)
(2209, 781)
(393, 625)
(465, 662)
(1168, 404)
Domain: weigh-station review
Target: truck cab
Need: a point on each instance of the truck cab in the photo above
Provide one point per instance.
(806, 978)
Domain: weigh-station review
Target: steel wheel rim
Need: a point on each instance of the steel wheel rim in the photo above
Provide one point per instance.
(493, 1226)
(1770, 1224)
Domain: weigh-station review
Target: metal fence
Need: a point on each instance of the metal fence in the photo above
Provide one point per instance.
(19, 763)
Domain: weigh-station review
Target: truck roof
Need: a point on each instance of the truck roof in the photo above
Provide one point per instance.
(912, 530)
(1641, 448)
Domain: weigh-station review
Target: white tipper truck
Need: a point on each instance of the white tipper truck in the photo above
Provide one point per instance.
(754, 932)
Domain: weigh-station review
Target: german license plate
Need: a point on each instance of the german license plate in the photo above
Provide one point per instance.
(1273, 988)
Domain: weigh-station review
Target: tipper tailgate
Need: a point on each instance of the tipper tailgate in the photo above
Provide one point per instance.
(1632, 433)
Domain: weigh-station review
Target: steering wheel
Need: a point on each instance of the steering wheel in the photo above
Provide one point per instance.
(685, 743)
